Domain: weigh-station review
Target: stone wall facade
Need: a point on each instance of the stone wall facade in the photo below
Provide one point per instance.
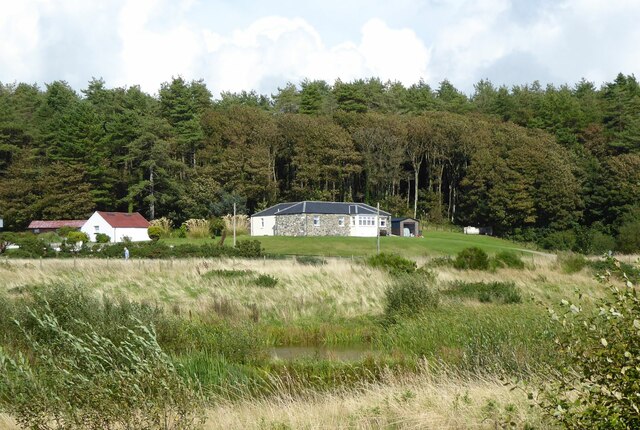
(304, 225)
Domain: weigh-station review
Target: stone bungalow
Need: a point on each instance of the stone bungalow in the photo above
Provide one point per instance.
(310, 218)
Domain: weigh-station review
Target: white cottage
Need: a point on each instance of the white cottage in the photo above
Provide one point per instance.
(117, 225)
(310, 218)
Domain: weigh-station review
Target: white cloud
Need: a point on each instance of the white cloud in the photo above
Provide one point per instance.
(291, 49)
(146, 42)
(19, 41)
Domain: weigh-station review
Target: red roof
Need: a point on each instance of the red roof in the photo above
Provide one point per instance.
(76, 223)
(124, 220)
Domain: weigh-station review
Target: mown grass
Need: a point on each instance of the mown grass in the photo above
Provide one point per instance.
(433, 244)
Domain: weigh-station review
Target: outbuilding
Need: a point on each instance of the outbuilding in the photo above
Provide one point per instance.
(406, 227)
(117, 225)
(39, 226)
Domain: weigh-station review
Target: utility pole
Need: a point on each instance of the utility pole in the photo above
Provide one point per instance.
(378, 228)
(234, 224)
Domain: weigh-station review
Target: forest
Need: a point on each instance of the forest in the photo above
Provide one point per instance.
(557, 165)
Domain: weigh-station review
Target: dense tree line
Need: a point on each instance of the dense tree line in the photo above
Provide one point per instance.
(560, 165)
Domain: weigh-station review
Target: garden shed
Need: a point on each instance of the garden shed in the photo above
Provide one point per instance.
(406, 227)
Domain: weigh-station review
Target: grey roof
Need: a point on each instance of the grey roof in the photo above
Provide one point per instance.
(311, 207)
(400, 219)
(273, 209)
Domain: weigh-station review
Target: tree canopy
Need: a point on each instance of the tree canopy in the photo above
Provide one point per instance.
(527, 160)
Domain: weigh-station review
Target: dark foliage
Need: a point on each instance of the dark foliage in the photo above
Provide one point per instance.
(392, 263)
(485, 292)
(471, 259)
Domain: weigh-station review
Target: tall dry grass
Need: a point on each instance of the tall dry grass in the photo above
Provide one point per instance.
(7, 423)
(423, 401)
(341, 287)
(242, 223)
(197, 228)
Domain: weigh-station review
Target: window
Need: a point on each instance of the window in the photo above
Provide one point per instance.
(366, 220)
(341, 221)
(383, 222)
(316, 221)
(353, 221)
(97, 228)
(262, 221)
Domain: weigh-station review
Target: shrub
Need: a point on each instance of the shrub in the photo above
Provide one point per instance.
(471, 259)
(310, 260)
(408, 296)
(392, 263)
(445, 261)
(30, 246)
(559, 240)
(154, 232)
(601, 243)
(77, 236)
(266, 281)
(485, 292)
(102, 238)
(229, 274)
(572, 263)
(628, 240)
(615, 267)
(182, 231)
(216, 226)
(507, 259)
(64, 231)
(597, 382)
(249, 248)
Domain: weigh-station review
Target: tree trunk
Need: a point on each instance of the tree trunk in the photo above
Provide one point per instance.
(152, 203)
(416, 170)
(453, 210)
(440, 189)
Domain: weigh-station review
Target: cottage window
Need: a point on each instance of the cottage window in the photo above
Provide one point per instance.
(341, 221)
(383, 222)
(97, 228)
(316, 221)
(262, 221)
(353, 221)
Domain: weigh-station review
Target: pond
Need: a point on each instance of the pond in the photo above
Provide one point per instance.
(350, 353)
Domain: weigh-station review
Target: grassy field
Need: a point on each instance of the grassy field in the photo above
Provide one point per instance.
(433, 244)
(443, 368)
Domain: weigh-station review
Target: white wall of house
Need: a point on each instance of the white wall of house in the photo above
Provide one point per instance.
(134, 234)
(366, 226)
(263, 225)
(96, 224)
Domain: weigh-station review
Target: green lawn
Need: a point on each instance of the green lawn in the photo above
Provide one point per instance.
(434, 243)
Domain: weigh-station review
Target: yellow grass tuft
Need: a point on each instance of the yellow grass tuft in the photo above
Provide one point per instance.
(417, 401)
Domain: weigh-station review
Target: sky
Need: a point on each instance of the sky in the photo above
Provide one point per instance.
(262, 45)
